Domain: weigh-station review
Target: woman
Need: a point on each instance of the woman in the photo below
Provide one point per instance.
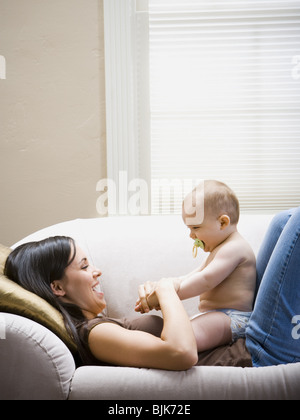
(58, 271)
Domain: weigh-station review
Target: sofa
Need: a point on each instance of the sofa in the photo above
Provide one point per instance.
(37, 360)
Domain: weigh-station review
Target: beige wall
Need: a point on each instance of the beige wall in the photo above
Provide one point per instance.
(52, 113)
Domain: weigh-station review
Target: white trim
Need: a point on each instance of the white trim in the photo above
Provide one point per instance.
(142, 5)
(123, 21)
(119, 74)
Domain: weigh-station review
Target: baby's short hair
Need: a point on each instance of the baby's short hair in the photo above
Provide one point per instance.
(219, 199)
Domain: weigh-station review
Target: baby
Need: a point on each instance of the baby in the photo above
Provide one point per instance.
(226, 281)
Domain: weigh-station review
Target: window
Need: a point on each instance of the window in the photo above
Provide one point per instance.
(216, 95)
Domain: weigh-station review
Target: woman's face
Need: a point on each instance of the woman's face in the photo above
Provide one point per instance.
(80, 286)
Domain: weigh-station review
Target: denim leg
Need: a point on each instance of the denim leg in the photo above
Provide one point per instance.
(270, 337)
(275, 229)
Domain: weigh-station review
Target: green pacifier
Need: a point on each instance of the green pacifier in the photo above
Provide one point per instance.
(197, 244)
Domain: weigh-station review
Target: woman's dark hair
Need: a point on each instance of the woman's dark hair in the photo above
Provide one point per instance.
(35, 265)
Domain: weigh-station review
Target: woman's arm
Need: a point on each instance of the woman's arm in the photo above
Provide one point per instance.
(176, 349)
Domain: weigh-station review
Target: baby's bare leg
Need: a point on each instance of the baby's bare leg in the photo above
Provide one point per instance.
(212, 330)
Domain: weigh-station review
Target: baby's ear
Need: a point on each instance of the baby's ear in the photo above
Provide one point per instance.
(224, 221)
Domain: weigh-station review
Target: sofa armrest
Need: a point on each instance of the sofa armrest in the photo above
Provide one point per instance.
(35, 364)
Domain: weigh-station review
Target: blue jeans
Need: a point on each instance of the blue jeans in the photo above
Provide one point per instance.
(273, 332)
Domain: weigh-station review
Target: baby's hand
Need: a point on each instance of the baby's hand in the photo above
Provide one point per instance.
(147, 297)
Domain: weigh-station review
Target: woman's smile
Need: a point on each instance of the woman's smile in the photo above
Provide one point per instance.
(80, 286)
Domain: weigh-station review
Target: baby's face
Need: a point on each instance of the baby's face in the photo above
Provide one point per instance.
(209, 232)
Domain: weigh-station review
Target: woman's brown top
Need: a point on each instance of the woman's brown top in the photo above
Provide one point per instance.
(235, 354)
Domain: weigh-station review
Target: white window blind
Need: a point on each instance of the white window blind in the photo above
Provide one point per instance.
(225, 99)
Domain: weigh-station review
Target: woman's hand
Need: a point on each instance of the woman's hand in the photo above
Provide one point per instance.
(148, 299)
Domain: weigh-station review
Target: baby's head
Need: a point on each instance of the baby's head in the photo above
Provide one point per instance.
(211, 211)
